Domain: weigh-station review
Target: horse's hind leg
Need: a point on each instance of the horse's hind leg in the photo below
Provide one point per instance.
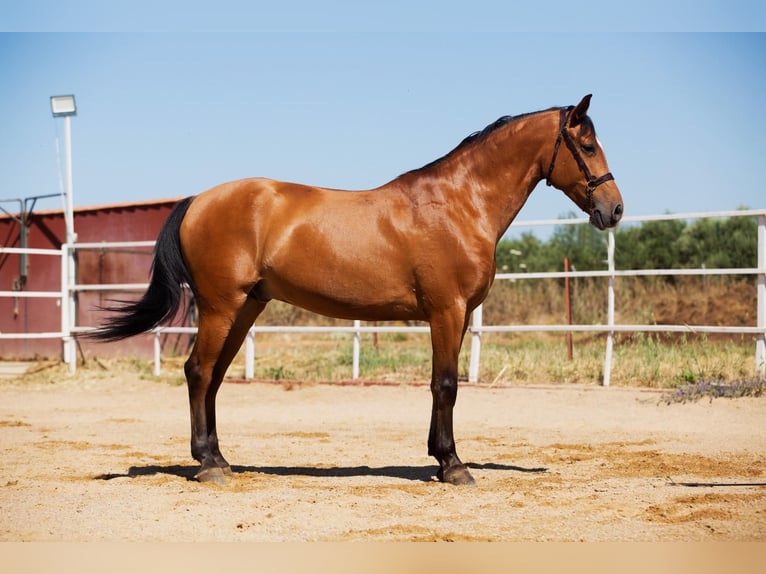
(219, 337)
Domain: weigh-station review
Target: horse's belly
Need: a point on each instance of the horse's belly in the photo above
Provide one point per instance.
(348, 297)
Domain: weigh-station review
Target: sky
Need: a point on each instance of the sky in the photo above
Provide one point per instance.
(353, 94)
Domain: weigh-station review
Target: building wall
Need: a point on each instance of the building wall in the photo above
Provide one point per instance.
(46, 229)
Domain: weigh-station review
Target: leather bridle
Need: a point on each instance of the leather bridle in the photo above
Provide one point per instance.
(593, 182)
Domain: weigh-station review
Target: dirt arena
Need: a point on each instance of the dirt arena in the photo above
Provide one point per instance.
(107, 459)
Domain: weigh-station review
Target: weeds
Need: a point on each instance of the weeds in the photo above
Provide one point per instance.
(692, 392)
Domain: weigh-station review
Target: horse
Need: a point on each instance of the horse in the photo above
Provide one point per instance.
(421, 247)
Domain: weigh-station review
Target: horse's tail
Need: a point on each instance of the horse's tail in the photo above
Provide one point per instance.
(164, 295)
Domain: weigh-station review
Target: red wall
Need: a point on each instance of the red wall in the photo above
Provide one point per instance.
(123, 222)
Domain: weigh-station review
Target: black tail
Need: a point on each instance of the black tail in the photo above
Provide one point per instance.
(165, 293)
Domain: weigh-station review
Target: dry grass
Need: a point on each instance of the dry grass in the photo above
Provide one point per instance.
(656, 360)
(653, 360)
(506, 359)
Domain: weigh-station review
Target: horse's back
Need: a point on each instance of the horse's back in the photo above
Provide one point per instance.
(339, 253)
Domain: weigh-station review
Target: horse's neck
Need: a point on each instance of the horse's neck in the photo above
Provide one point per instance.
(496, 176)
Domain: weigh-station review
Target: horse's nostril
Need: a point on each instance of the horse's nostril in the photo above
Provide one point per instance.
(617, 212)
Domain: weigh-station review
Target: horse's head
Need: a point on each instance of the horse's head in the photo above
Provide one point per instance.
(581, 170)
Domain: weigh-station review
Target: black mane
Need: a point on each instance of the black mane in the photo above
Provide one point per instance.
(479, 136)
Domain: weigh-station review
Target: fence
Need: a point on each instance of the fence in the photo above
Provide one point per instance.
(610, 328)
(63, 294)
(67, 296)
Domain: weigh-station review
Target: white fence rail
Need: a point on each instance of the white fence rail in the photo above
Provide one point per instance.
(60, 294)
(68, 290)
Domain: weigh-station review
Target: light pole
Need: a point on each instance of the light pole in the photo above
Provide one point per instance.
(64, 106)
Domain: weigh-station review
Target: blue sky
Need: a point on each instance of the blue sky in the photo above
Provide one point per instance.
(317, 100)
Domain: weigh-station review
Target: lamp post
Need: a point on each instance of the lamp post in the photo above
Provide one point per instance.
(64, 106)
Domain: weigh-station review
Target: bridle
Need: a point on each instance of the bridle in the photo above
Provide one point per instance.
(593, 182)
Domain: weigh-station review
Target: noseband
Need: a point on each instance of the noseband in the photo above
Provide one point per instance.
(593, 182)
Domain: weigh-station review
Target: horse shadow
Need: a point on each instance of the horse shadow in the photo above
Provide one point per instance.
(413, 473)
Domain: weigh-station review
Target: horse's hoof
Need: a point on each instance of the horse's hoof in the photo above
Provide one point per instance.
(457, 475)
(227, 470)
(212, 474)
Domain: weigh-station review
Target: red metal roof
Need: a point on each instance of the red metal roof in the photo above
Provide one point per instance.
(106, 207)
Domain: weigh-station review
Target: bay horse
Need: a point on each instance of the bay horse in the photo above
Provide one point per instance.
(421, 247)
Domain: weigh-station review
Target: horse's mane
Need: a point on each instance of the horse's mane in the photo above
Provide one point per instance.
(480, 136)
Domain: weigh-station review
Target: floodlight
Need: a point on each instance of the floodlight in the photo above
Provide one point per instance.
(63, 106)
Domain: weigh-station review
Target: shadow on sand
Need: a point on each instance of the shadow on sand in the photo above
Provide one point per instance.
(413, 473)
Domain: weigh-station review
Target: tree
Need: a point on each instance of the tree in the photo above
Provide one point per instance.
(665, 244)
(652, 245)
(511, 254)
(719, 243)
(583, 244)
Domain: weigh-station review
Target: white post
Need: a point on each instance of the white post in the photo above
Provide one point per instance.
(760, 341)
(70, 354)
(473, 364)
(610, 310)
(72, 305)
(69, 203)
(157, 353)
(65, 106)
(355, 361)
(250, 354)
(68, 350)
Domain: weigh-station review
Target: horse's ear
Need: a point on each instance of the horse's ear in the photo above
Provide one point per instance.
(580, 111)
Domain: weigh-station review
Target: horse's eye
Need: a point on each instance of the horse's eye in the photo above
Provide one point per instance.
(589, 148)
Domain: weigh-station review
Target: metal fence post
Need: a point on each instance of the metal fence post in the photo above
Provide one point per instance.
(610, 310)
(72, 300)
(68, 350)
(473, 364)
(760, 341)
(157, 353)
(250, 354)
(355, 361)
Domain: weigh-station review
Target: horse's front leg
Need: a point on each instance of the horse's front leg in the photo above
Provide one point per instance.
(447, 332)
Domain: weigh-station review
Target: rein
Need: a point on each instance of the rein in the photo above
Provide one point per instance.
(593, 182)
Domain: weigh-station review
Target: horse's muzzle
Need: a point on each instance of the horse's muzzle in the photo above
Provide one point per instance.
(603, 219)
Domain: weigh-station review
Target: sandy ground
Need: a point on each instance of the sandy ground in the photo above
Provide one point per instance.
(108, 460)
